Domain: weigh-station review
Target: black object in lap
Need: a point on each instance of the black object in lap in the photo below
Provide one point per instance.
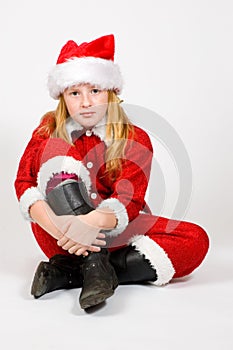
(70, 198)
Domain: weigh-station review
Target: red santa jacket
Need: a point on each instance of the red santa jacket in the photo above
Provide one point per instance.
(45, 157)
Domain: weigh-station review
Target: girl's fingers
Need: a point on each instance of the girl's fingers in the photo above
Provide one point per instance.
(75, 248)
(69, 245)
(101, 235)
(62, 241)
(99, 242)
(84, 250)
(81, 251)
(94, 249)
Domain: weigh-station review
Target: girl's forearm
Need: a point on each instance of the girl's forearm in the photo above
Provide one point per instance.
(103, 218)
(43, 215)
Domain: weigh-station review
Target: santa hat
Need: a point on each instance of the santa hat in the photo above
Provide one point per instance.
(91, 63)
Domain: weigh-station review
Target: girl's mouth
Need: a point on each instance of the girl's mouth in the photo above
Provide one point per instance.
(87, 114)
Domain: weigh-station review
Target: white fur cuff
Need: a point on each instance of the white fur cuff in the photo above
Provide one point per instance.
(121, 215)
(60, 164)
(29, 197)
(157, 257)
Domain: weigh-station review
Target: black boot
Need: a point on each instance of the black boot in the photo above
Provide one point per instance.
(69, 198)
(131, 267)
(99, 279)
(61, 272)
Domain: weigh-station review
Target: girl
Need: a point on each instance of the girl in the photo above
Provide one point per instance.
(82, 181)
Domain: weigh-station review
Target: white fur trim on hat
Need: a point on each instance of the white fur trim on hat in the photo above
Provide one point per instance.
(93, 70)
(60, 164)
(29, 197)
(121, 215)
(157, 257)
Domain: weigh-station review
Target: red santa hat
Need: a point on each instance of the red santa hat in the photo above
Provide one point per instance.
(91, 63)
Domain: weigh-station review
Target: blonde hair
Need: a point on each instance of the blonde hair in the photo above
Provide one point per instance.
(118, 130)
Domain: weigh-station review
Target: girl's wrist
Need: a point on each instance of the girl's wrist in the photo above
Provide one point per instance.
(103, 218)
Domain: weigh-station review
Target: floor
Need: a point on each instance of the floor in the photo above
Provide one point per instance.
(190, 313)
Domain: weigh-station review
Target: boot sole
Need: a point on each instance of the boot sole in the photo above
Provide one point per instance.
(39, 284)
(93, 300)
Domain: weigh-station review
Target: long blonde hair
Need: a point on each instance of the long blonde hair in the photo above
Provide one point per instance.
(118, 130)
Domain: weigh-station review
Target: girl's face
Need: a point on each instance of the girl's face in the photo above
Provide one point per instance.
(86, 104)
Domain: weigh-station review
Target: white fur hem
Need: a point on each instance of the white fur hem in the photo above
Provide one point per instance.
(121, 215)
(157, 257)
(29, 197)
(93, 70)
(60, 164)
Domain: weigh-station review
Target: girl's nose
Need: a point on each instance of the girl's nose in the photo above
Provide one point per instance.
(86, 101)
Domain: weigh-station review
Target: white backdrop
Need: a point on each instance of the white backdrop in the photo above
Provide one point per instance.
(176, 58)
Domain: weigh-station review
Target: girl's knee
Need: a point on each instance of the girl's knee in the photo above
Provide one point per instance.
(201, 237)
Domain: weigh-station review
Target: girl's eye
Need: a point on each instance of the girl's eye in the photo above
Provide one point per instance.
(95, 91)
(74, 93)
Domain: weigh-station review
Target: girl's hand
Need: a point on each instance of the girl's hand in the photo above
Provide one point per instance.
(79, 231)
(57, 226)
(76, 248)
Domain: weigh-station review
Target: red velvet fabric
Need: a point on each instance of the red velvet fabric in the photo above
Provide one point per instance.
(102, 47)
